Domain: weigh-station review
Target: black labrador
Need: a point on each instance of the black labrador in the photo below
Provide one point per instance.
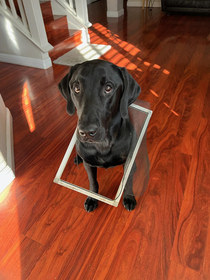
(101, 92)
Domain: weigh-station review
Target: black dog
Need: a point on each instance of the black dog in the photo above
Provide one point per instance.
(101, 92)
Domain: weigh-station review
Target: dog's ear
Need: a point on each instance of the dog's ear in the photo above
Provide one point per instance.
(131, 91)
(65, 90)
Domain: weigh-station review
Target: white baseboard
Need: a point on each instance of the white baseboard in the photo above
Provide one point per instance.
(115, 14)
(139, 3)
(26, 61)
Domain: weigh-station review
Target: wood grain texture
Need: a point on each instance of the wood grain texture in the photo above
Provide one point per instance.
(206, 265)
(192, 230)
(45, 232)
(178, 271)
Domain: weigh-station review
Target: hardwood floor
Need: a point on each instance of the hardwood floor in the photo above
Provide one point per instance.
(45, 232)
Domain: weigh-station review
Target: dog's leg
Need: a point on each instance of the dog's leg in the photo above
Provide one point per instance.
(78, 159)
(129, 201)
(91, 203)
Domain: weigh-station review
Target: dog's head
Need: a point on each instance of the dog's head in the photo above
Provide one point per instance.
(101, 92)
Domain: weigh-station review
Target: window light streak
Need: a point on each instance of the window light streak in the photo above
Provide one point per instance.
(166, 72)
(154, 93)
(84, 50)
(26, 103)
(94, 38)
(156, 66)
(11, 34)
(102, 28)
(91, 55)
(131, 66)
(134, 51)
(97, 25)
(116, 41)
(93, 51)
(99, 41)
(123, 44)
(115, 38)
(107, 35)
(104, 32)
(174, 113)
(114, 56)
(123, 62)
(128, 48)
(109, 55)
(166, 104)
(101, 47)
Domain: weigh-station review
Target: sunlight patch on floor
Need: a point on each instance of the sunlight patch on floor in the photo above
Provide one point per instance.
(26, 103)
(82, 53)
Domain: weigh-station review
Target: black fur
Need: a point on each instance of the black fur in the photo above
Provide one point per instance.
(101, 92)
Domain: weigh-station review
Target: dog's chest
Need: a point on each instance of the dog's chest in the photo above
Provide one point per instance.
(114, 157)
(110, 160)
(105, 161)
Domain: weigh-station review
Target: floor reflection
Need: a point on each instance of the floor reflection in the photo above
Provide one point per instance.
(26, 102)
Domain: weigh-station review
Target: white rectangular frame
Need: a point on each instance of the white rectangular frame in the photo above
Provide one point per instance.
(115, 201)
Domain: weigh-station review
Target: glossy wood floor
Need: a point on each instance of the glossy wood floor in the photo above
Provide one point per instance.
(45, 233)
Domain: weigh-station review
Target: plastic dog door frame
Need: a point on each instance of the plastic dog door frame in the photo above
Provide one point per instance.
(115, 201)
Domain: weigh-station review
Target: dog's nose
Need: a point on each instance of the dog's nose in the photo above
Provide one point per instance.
(88, 132)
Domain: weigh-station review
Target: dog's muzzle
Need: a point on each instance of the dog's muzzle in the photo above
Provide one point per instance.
(88, 133)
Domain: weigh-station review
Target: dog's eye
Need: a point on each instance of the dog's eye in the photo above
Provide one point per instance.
(76, 88)
(108, 89)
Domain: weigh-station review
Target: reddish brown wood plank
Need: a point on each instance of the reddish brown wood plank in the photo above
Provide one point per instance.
(45, 232)
(191, 234)
(11, 267)
(129, 246)
(60, 254)
(178, 271)
(206, 266)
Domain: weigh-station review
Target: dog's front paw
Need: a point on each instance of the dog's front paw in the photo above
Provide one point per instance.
(90, 204)
(129, 202)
